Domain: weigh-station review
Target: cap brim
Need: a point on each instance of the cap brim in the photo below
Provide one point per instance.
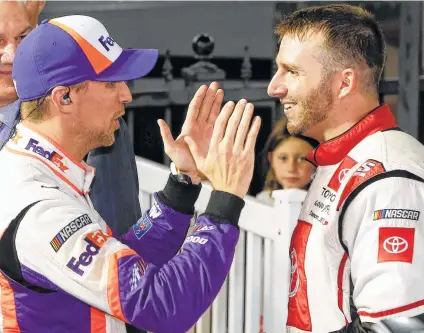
(132, 64)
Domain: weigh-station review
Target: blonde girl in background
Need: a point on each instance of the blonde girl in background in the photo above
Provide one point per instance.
(285, 159)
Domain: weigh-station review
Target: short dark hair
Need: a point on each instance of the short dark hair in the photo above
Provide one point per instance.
(352, 37)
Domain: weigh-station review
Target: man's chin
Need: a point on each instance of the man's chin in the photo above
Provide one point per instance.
(301, 128)
(110, 141)
(106, 141)
(294, 129)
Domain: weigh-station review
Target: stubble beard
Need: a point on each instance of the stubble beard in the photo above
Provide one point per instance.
(96, 138)
(105, 138)
(313, 110)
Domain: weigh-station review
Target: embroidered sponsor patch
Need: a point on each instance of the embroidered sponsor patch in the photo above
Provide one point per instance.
(142, 226)
(341, 172)
(138, 270)
(366, 171)
(71, 228)
(298, 309)
(405, 214)
(396, 244)
(95, 241)
(203, 228)
(196, 239)
(53, 156)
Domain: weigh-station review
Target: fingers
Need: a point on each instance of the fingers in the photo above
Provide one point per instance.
(249, 147)
(195, 104)
(208, 102)
(165, 132)
(243, 128)
(234, 121)
(221, 123)
(216, 106)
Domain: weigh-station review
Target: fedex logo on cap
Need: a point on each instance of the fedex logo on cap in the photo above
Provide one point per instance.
(50, 155)
(93, 39)
(106, 42)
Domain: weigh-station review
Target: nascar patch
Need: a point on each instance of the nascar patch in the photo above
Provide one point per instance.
(142, 226)
(405, 214)
(203, 228)
(71, 228)
(138, 270)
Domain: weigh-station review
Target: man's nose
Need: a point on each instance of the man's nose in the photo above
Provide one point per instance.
(125, 93)
(8, 54)
(276, 87)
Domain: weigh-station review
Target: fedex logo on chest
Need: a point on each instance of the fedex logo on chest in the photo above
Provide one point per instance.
(52, 156)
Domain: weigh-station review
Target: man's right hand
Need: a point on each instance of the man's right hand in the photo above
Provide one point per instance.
(229, 162)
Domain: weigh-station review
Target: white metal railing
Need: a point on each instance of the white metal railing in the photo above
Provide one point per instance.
(259, 279)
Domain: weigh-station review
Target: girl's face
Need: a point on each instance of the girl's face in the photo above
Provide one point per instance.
(288, 160)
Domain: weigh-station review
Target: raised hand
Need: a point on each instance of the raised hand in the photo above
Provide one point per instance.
(229, 161)
(201, 116)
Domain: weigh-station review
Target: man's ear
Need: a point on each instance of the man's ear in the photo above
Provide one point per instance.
(348, 82)
(61, 99)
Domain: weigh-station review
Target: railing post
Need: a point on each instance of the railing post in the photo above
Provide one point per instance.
(168, 77)
(287, 207)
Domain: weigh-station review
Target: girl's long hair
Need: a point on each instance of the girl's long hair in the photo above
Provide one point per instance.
(278, 134)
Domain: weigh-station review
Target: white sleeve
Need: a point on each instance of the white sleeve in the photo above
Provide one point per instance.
(383, 229)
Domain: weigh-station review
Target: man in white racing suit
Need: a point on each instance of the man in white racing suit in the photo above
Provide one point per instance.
(357, 250)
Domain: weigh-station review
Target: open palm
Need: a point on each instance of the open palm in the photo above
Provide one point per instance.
(198, 125)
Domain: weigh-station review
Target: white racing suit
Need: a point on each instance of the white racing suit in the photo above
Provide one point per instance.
(358, 247)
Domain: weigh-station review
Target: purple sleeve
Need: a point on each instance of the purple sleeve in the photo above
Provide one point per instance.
(160, 232)
(172, 298)
(104, 273)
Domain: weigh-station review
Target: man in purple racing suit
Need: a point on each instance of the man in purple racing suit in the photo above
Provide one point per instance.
(62, 268)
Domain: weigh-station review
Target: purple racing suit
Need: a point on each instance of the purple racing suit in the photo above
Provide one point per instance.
(62, 269)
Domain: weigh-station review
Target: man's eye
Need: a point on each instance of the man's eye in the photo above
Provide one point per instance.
(111, 84)
(21, 37)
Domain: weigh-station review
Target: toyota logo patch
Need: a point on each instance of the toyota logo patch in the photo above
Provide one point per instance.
(395, 244)
(342, 174)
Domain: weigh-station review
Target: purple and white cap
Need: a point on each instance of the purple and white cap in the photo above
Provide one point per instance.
(73, 49)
